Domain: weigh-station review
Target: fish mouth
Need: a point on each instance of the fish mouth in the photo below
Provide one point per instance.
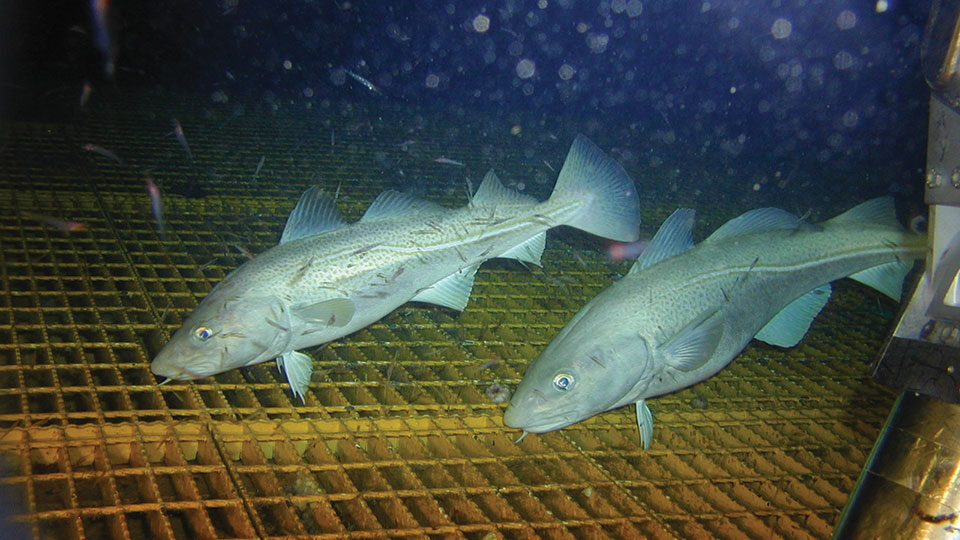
(536, 423)
(163, 366)
(175, 372)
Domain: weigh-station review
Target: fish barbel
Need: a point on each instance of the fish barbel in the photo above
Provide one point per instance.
(327, 279)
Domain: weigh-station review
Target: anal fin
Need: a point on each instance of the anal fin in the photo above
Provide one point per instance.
(529, 251)
(886, 278)
(788, 327)
(452, 291)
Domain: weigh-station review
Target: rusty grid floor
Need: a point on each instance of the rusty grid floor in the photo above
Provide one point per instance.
(397, 437)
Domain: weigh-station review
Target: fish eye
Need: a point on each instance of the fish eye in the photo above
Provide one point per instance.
(562, 381)
(203, 333)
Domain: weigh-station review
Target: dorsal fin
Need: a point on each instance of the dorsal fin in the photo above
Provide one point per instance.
(392, 203)
(492, 192)
(315, 213)
(755, 221)
(875, 211)
(674, 237)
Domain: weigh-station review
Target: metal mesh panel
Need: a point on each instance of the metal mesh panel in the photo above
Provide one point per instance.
(397, 436)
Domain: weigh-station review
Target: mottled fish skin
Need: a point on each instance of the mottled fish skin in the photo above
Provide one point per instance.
(315, 288)
(682, 316)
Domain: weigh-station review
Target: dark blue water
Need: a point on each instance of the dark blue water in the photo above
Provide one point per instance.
(718, 97)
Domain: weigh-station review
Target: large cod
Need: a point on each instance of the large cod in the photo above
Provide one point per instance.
(683, 313)
(327, 279)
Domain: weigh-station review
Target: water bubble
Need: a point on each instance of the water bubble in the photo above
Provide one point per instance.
(767, 53)
(288, 65)
(481, 23)
(634, 8)
(843, 60)
(526, 68)
(432, 81)
(850, 119)
(846, 20)
(308, 92)
(597, 42)
(567, 72)
(781, 28)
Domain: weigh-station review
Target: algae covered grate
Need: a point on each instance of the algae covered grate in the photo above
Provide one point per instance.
(397, 437)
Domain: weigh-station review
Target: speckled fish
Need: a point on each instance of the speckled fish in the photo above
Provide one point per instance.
(683, 313)
(327, 279)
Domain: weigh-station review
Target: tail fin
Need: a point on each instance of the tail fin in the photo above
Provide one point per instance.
(613, 209)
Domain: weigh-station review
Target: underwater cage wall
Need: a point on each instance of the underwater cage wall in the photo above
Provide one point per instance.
(398, 435)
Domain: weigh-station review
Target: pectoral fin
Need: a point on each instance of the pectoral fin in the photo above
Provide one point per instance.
(645, 423)
(336, 312)
(693, 346)
(298, 368)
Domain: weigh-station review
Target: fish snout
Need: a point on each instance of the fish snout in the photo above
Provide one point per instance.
(533, 413)
(179, 367)
(514, 417)
(168, 370)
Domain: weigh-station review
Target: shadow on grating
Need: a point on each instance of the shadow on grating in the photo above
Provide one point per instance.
(397, 436)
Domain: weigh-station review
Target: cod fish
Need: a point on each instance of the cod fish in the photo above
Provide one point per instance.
(327, 279)
(683, 313)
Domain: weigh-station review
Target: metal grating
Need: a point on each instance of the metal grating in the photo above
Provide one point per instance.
(397, 437)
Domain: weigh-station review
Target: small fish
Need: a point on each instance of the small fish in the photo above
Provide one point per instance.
(490, 363)
(327, 279)
(243, 251)
(85, 94)
(256, 173)
(619, 251)
(370, 86)
(90, 147)
(66, 226)
(684, 312)
(100, 19)
(446, 161)
(181, 138)
(156, 203)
